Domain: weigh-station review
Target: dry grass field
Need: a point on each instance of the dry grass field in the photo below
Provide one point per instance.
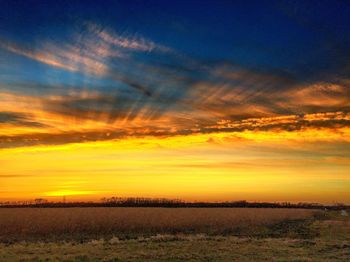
(173, 234)
(62, 223)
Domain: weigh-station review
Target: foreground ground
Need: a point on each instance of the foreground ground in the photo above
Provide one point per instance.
(189, 248)
(291, 236)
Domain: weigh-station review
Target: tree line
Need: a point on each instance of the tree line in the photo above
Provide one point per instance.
(165, 202)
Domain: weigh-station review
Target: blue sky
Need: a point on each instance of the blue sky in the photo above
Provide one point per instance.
(197, 62)
(290, 36)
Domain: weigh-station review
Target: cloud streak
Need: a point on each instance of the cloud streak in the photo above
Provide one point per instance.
(327, 126)
(134, 42)
(18, 119)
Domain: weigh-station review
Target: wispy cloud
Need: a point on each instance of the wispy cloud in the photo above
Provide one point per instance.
(19, 119)
(288, 123)
(43, 57)
(132, 42)
(158, 97)
(97, 52)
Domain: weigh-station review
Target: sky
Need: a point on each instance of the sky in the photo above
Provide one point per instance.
(197, 100)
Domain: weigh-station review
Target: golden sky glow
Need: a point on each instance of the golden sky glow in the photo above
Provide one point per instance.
(220, 166)
(52, 155)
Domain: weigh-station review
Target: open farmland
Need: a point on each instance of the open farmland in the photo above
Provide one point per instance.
(87, 223)
(173, 234)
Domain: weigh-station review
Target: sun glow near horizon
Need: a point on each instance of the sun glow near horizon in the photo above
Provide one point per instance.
(211, 167)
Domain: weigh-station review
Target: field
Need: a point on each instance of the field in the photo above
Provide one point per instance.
(173, 234)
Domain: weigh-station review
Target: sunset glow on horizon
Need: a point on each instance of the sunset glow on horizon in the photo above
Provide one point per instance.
(147, 100)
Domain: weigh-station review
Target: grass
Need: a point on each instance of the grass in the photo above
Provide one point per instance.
(161, 248)
(158, 234)
(86, 223)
